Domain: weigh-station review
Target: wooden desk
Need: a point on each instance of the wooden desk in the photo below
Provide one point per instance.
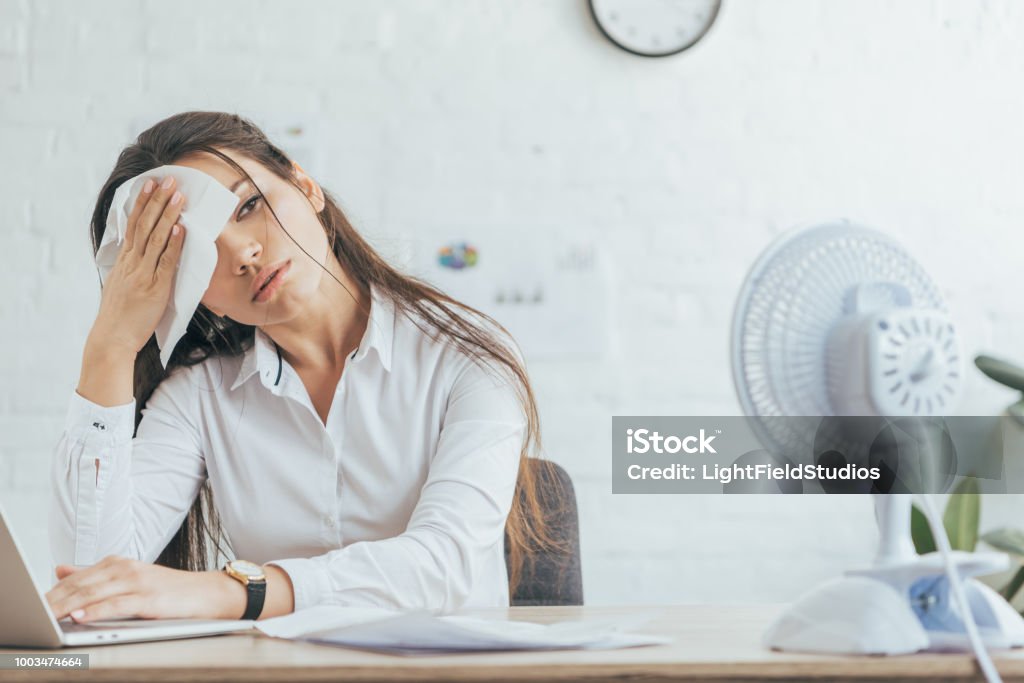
(711, 643)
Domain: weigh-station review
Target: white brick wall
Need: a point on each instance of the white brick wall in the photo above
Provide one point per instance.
(906, 115)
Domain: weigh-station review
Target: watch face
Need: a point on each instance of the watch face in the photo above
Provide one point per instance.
(247, 568)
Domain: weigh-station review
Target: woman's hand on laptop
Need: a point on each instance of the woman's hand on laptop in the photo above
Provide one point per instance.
(120, 588)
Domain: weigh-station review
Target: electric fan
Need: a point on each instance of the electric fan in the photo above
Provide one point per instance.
(839, 320)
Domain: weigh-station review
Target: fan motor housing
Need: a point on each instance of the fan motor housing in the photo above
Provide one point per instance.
(903, 361)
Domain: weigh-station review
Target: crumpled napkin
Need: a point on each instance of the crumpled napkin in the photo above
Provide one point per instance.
(208, 206)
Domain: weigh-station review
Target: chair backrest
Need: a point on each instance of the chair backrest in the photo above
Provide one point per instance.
(552, 577)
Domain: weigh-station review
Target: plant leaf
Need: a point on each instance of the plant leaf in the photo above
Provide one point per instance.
(963, 512)
(1008, 540)
(1011, 589)
(924, 542)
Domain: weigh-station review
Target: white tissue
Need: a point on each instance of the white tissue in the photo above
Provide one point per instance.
(208, 206)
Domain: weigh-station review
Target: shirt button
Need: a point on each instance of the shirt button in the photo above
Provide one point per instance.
(329, 521)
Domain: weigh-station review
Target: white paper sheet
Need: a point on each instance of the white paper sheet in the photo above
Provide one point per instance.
(425, 633)
(320, 619)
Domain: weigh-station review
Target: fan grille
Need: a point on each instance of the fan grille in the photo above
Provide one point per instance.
(791, 300)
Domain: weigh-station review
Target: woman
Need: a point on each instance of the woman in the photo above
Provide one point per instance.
(364, 435)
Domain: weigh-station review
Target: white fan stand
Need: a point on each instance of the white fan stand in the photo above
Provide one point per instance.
(838, 319)
(870, 611)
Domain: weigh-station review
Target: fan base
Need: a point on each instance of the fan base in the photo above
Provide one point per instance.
(898, 609)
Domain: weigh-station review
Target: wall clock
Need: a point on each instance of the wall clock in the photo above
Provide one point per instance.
(654, 28)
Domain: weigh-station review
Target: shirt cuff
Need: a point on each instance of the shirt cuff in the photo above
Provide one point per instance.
(102, 425)
(309, 581)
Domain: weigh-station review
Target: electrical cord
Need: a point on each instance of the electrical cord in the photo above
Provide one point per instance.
(988, 668)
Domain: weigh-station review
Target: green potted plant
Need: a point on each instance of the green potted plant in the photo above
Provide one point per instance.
(962, 515)
(961, 519)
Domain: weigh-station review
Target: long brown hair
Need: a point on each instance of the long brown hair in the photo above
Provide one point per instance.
(209, 335)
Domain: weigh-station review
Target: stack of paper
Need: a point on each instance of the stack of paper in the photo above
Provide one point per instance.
(422, 632)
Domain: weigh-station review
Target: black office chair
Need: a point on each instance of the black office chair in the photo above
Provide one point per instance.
(553, 577)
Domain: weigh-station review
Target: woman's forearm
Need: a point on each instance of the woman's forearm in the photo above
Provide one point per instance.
(227, 597)
(280, 594)
(108, 373)
(119, 588)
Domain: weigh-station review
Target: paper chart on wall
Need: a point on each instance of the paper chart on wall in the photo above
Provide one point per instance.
(550, 293)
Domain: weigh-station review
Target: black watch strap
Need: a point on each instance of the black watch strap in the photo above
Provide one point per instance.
(257, 591)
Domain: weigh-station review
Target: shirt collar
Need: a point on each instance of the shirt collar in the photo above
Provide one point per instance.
(262, 356)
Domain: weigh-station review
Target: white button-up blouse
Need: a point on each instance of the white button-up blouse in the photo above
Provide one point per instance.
(400, 500)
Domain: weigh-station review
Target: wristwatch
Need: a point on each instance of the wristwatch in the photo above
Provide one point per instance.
(252, 577)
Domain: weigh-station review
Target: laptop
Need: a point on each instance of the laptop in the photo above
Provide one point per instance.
(26, 619)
